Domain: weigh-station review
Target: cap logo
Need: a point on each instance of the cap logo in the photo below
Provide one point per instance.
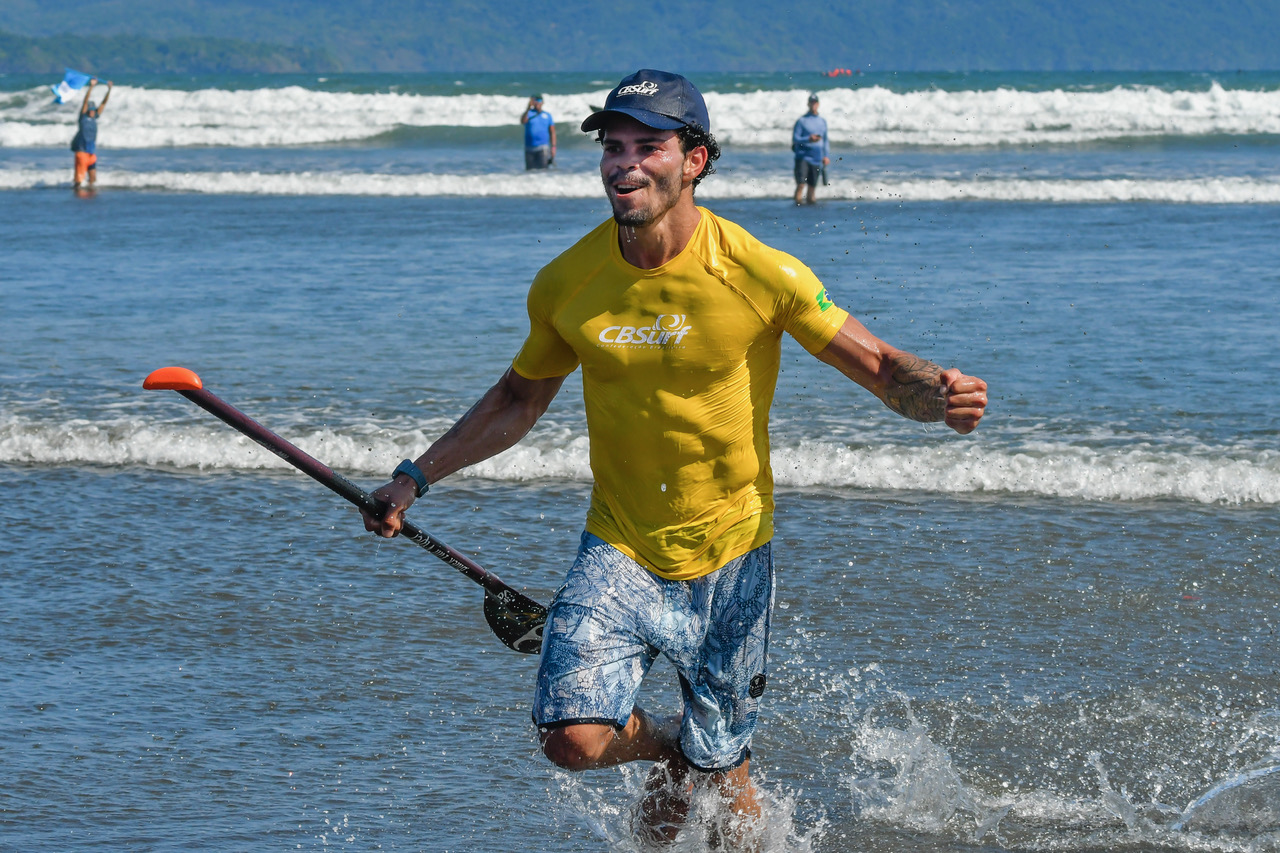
(648, 87)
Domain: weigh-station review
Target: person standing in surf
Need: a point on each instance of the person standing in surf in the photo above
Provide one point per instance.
(85, 142)
(675, 316)
(539, 135)
(812, 149)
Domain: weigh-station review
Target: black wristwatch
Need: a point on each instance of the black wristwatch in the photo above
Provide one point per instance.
(413, 472)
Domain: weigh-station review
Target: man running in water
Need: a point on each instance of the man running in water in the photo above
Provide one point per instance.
(676, 318)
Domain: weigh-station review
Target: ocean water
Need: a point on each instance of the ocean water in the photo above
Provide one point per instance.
(1056, 634)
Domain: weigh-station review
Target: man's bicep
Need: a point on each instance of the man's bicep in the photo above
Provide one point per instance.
(533, 394)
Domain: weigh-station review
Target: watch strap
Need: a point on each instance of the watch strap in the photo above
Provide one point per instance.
(413, 472)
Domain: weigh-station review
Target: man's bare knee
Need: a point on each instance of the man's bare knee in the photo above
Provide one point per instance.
(577, 747)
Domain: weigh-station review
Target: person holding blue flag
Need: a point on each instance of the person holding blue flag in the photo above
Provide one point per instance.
(539, 135)
(85, 143)
(812, 149)
(72, 82)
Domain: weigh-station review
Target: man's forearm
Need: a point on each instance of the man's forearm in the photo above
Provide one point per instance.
(915, 389)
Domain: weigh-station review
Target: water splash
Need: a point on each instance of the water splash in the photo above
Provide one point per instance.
(905, 781)
(608, 811)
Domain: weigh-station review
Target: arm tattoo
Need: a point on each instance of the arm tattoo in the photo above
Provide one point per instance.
(916, 390)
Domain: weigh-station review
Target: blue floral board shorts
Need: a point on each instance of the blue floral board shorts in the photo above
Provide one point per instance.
(612, 618)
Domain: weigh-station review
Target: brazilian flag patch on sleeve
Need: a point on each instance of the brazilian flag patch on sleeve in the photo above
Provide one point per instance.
(823, 301)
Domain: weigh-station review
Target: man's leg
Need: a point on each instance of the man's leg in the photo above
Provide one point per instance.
(722, 682)
(590, 746)
(739, 795)
(590, 673)
(671, 782)
(811, 181)
(593, 662)
(537, 158)
(669, 792)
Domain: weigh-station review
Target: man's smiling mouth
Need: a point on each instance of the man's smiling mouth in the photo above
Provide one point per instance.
(626, 185)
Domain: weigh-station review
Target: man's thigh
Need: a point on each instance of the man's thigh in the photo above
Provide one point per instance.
(593, 654)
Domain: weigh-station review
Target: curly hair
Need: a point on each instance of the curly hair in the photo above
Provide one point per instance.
(691, 136)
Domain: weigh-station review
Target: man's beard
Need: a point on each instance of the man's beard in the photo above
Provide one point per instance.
(663, 192)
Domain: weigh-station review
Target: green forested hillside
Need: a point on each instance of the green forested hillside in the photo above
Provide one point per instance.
(140, 54)
(713, 35)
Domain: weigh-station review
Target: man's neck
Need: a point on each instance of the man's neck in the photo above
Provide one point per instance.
(650, 246)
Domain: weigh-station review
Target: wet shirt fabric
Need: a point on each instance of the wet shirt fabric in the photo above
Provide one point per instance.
(679, 366)
(86, 138)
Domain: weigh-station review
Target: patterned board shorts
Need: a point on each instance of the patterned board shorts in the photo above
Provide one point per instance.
(612, 618)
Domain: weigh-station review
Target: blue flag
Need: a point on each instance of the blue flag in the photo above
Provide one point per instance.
(71, 84)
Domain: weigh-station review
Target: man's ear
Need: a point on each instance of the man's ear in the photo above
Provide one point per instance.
(694, 162)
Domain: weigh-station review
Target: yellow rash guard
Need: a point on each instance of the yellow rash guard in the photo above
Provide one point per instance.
(679, 366)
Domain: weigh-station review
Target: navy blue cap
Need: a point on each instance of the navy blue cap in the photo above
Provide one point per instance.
(658, 99)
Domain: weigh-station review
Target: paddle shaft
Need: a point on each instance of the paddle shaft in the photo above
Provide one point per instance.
(325, 475)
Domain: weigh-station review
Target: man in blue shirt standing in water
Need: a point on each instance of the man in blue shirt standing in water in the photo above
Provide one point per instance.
(539, 135)
(809, 142)
(85, 143)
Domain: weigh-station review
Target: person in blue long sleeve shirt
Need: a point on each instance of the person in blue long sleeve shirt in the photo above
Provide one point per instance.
(812, 149)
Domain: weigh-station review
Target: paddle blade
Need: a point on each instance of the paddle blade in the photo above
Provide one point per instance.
(172, 379)
(515, 619)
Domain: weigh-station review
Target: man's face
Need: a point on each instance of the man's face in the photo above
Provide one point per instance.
(642, 169)
(813, 108)
(537, 105)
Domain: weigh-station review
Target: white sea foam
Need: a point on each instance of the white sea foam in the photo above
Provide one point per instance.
(1228, 475)
(561, 184)
(293, 115)
(1204, 475)
(878, 116)
(162, 118)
